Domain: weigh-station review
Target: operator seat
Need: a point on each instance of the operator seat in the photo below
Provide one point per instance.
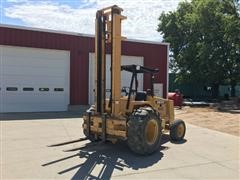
(141, 96)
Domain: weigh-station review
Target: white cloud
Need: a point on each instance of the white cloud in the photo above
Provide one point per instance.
(141, 23)
(17, 1)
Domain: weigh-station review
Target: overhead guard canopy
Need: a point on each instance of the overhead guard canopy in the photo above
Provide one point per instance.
(138, 69)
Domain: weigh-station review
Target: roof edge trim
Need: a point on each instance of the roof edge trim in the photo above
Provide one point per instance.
(75, 33)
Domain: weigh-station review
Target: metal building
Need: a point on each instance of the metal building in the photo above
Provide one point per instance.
(46, 70)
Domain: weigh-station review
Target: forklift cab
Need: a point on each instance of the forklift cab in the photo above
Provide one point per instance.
(135, 70)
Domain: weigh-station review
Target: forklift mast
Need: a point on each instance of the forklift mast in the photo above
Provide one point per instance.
(108, 33)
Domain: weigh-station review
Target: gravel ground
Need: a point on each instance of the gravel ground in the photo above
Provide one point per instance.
(211, 118)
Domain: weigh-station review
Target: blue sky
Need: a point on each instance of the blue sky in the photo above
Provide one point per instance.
(78, 15)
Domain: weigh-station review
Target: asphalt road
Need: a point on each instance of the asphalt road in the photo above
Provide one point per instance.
(204, 154)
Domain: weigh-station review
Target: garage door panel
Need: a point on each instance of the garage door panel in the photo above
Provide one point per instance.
(33, 80)
(38, 82)
(34, 53)
(13, 98)
(41, 77)
(33, 108)
(34, 62)
(20, 70)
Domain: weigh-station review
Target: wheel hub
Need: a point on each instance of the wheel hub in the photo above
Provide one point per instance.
(180, 130)
(151, 131)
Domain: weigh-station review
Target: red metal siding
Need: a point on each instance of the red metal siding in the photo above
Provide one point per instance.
(155, 55)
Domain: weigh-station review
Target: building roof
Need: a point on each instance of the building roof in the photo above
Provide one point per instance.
(74, 33)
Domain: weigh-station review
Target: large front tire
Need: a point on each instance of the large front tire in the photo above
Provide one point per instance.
(144, 131)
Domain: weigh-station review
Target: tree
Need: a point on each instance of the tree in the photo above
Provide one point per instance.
(204, 37)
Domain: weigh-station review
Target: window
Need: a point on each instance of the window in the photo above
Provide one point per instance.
(58, 89)
(43, 89)
(28, 89)
(12, 88)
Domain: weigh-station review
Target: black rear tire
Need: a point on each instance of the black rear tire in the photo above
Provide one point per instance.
(140, 139)
(177, 130)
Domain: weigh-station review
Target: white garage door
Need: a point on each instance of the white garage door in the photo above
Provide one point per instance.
(33, 80)
(125, 76)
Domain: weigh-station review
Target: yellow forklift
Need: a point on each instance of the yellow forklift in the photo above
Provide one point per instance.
(137, 117)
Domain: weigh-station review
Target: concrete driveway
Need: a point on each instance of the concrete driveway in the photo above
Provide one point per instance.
(205, 154)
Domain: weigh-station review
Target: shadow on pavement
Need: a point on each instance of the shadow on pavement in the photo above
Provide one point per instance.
(179, 142)
(113, 157)
(102, 160)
